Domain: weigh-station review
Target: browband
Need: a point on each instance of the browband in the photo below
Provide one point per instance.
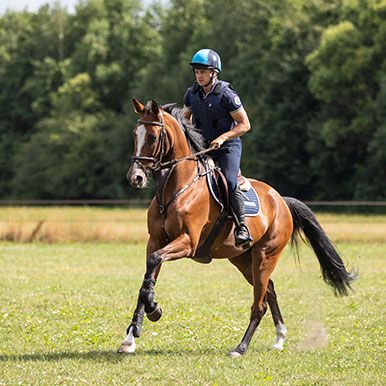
(154, 123)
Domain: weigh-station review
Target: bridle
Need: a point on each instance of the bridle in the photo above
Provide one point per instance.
(157, 165)
(160, 152)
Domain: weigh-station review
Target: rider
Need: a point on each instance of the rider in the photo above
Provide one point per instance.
(217, 111)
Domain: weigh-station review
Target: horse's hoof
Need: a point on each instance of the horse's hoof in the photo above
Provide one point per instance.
(155, 315)
(127, 348)
(277, 346)
(238, 351)
(234, 354)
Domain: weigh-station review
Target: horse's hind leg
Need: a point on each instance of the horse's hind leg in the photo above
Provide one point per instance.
(244, 264)
(263, 263)
(281, 330)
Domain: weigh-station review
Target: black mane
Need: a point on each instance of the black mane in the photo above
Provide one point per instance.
(193, 135)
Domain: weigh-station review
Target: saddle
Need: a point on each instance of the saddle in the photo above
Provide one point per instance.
(218, 186)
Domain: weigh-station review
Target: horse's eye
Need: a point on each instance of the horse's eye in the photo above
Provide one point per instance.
(151, 138)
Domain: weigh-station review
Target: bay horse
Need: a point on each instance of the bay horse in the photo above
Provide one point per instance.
(183, 214)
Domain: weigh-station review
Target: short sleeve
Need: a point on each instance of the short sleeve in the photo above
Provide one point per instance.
(187, 97)
(230, 100)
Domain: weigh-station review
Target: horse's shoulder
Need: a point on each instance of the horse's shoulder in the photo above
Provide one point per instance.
(153, 209)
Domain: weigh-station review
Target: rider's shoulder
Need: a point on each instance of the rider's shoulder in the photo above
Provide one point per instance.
(224, 88)
(229, 98)
(193, 88)
(230, 89)
(189, 93)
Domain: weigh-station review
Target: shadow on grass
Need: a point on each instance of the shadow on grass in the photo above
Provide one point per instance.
(107, 356)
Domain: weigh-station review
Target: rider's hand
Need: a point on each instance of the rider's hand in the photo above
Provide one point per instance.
(216, 143)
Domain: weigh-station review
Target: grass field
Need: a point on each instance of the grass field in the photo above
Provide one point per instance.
(64, 309)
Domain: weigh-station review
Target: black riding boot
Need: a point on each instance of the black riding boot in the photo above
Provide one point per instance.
(242, 235)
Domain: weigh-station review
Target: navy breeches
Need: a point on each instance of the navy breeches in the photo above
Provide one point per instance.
(228, 158)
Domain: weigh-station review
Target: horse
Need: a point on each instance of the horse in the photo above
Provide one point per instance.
(183, 214)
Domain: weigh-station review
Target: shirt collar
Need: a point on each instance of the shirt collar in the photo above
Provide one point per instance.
(211, 90)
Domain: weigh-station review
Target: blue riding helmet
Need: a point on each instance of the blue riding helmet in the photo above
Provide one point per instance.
(206, 58)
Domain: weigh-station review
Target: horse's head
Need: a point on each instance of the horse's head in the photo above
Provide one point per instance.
(149, 142)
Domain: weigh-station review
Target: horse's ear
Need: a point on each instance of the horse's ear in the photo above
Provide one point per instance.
(138, 106)
(154, 107)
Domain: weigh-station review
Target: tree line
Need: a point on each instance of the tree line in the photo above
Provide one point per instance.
(311, 75)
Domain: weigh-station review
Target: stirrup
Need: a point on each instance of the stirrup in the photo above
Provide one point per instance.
(244, 242)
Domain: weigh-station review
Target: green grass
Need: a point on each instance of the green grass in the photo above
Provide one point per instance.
(64, 309)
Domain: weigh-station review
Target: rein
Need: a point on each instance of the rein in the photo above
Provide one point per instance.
(192, 157)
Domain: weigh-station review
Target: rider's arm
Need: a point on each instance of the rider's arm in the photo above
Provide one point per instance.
(242, 126)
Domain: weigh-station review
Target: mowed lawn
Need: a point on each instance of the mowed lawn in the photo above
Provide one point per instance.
(64, 309)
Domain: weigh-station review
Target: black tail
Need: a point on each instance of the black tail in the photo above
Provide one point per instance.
(332, 267)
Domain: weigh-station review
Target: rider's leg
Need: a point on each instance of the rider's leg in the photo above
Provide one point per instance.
(242, 235)
(229, 160)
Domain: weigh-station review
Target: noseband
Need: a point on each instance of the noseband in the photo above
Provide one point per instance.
(156, 161)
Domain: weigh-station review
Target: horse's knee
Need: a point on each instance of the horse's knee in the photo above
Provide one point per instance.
(153, 261)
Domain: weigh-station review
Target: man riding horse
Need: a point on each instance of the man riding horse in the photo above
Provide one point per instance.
(183, 214)
(217, 110)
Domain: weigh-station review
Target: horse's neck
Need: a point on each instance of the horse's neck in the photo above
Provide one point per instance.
(183, 172)
(179, 146)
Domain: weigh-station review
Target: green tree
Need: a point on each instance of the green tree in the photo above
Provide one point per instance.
(77, 156)
(79, 95)
(280, 105)
(30, 45)
(311, 75)
(346, 69)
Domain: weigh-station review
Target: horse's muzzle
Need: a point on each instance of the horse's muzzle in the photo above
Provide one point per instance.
(138, 181)
(137, 177)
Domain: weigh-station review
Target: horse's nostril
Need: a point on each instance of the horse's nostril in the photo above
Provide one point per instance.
(137, 180)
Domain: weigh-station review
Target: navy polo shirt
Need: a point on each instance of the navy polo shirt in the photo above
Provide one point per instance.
(211, 112)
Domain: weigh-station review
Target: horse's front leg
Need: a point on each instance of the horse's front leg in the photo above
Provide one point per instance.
(134, 330)
(177, 249)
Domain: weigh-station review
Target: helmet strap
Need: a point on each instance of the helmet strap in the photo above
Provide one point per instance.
(212, 77)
